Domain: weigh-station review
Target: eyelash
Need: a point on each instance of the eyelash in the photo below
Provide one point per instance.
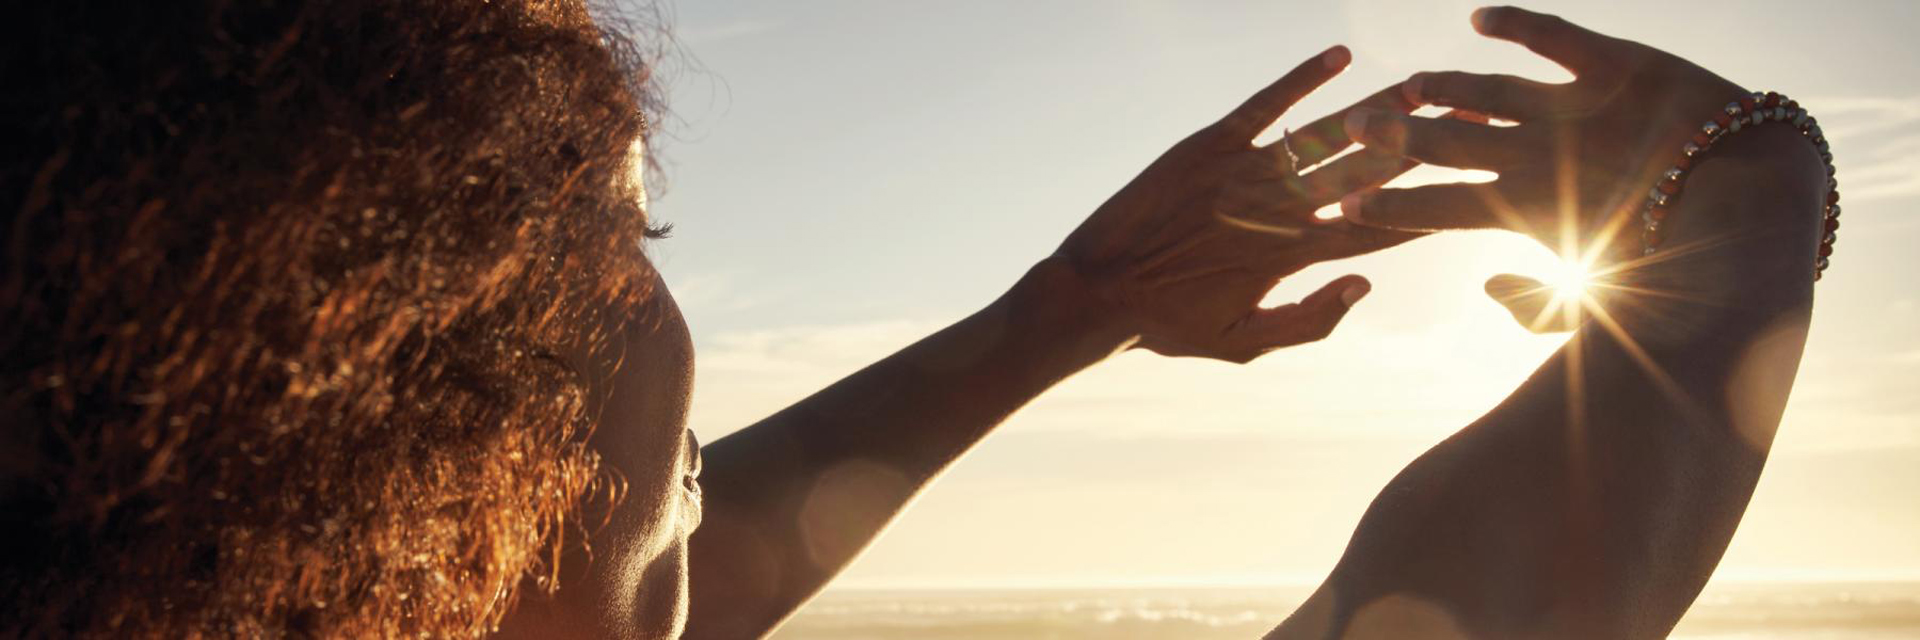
(659, 231)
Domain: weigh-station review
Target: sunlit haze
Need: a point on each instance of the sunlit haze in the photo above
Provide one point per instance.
(845, 177)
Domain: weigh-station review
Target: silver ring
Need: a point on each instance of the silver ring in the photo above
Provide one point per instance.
(1293, 159)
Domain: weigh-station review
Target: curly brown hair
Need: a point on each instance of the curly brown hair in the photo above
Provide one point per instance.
(285, 285)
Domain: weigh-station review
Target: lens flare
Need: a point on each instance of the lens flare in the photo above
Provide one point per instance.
(1569, 282)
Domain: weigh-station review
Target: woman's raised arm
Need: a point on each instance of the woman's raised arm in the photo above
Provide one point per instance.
(1596, 500)
(1176, 262)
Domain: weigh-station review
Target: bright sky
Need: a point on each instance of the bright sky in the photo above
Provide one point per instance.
(849, 176)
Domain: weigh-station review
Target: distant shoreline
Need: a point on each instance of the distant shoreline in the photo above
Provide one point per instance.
(907, 587)
(1855, 609)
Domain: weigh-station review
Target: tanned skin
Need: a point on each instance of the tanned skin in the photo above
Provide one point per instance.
(1596, 500)
(1176, 262)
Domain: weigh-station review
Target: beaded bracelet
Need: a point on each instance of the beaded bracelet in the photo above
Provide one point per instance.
(1746, 113)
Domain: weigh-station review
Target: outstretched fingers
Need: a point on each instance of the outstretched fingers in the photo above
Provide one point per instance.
(1323, 186)
(1363, 170)
(1437, 207)
(1327, 137)
(1447, 142)
(1309, 320)
(1501, 96)
(1259, 111)
(1579, 50)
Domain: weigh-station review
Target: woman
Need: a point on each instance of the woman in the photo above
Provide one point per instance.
(332, 320)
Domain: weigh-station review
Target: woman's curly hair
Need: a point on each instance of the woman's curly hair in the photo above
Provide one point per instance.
(285, 287)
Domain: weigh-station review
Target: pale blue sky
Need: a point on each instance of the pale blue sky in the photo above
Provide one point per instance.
(847, 176)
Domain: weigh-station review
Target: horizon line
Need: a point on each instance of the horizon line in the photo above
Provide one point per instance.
(1735, 579)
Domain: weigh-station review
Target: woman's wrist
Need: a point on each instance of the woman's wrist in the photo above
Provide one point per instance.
(1747, 116)
(1054, 312)
(1756, 195)
(1743, 236)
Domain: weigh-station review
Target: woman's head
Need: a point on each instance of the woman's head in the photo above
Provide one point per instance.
(288, 287)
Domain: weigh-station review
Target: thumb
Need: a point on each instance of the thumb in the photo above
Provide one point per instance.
(1528, 301)
(1312, 318)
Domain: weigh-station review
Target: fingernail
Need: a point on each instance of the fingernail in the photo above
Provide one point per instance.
(1482, 19)
(1411, 88)
(1336, 58)
(1354, 293)
(1350, 207)
(1356, 123)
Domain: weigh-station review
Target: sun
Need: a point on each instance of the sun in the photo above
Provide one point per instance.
(1554, 298)
(1569, 280)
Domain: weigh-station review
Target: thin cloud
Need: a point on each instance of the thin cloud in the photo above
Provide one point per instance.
(1891, 168)
(1845, 118)
(1874, 145)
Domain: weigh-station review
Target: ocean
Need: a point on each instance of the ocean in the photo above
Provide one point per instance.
(1803, 611)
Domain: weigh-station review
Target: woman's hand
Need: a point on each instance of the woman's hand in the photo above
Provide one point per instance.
(1581, 157)
(1183, 254)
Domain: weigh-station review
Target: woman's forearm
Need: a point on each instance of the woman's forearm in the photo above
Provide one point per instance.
(791, 500)
(1178, 262)
(1597, 499)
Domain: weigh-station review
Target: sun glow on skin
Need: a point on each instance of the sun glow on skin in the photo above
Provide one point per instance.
(1569, 282)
